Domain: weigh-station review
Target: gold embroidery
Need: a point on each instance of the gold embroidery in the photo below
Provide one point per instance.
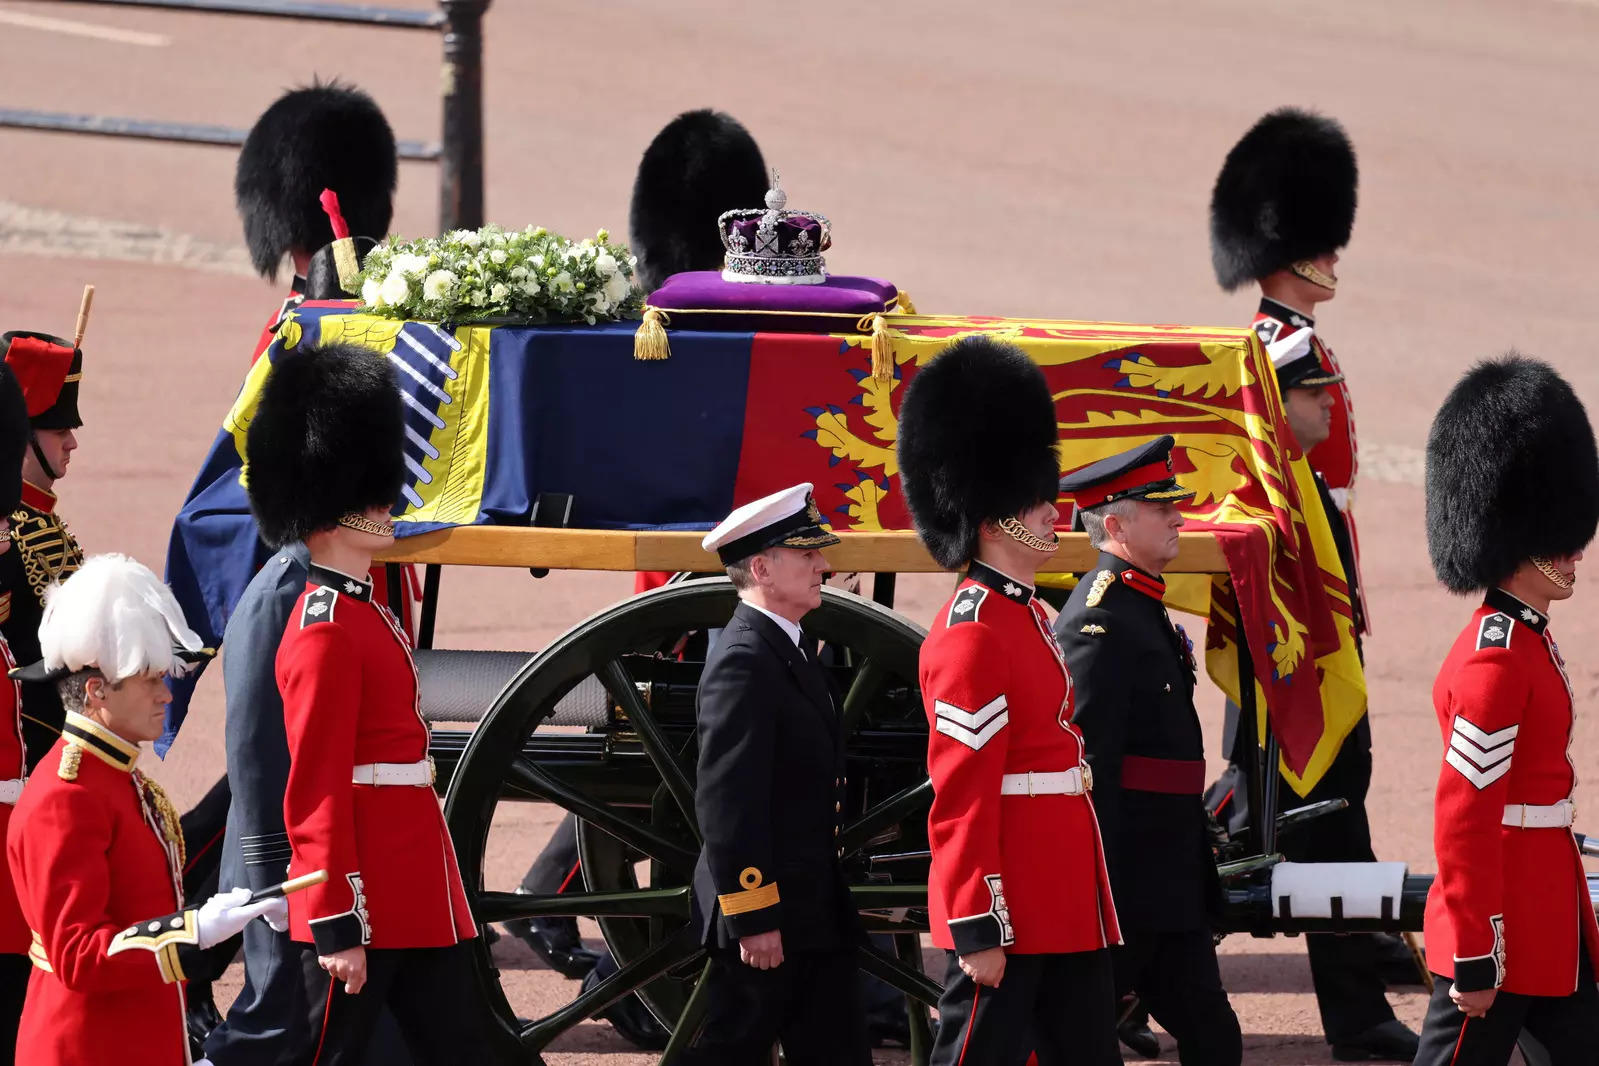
(754, 897)
(168, 814)
(47, 548)
(1096, 592)
(70, 758)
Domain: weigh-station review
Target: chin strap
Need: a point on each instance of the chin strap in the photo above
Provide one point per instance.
(1307, 270)
(1548, 570)
(1013, 528)
(38, 453)
(361, 523)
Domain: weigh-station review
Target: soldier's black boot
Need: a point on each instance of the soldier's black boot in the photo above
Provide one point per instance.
(1391, 1041)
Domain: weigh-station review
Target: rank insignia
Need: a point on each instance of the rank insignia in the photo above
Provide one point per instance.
(967, 605)
(1494, 631)
(1096, 592)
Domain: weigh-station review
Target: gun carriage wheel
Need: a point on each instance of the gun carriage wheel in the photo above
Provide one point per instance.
(629, 673)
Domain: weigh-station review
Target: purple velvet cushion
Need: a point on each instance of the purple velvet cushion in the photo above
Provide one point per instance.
(739, 305)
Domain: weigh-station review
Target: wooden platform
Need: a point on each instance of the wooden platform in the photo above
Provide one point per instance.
(895, 551)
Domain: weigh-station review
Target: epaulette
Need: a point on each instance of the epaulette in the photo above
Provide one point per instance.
(1494, 631)
(968, 603)
(319, 606)
(71, 757)
(1096, 592)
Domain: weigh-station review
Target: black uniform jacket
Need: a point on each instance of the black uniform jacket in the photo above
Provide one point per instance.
(770, 793)
(1134, 677)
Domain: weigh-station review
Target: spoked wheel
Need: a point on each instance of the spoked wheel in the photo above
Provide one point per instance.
(631, 784)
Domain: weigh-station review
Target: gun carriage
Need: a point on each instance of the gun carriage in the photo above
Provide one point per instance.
(601, 722)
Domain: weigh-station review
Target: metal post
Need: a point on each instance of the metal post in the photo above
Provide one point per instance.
(461, 165)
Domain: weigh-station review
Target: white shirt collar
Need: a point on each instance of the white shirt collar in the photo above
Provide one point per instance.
(791, 628)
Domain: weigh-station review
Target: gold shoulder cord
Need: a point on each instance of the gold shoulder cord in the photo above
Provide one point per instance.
(32, 532)
(168, 814)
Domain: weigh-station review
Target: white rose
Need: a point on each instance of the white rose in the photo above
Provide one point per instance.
(370, 292)
(538, 262)
(468, 238)
(479, 298)
(497, 257)
(499, 292)
(518, 273)
(563, 282)
(438, 285)
(410, 265)
(617, 288)
(605, 264)
(532, 287)
(395, 289)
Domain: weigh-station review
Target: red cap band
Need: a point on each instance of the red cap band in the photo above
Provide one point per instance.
(1148, 474)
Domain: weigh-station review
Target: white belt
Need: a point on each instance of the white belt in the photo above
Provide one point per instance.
(395, 773)
(1531, 816)
(11, 791)
(1073, 782)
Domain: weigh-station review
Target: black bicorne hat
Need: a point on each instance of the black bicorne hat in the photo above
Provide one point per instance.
(701, 164)
(13, 440)
(327, 136)
(326, 440)
(1286, 193)
(1512, 473)
(977, 442)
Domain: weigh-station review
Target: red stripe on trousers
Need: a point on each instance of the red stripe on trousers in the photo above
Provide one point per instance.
(971, 1023)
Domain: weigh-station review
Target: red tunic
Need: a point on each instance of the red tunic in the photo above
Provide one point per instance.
(1023, 872)
(1509, 908)
(14, 938)
(90, 853)
(349, 699)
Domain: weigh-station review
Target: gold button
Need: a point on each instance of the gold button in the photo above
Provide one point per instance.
(837, 807)
(837, 781)
(841, 853)
(835, 830)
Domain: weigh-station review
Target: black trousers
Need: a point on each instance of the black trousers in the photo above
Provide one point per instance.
(810, 1005)
(1063, 1006)
(14, 973)
(431, 993)
(1177, 978)
(1567, 1026)
(1346, 968)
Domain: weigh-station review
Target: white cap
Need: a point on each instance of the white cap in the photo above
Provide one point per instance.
(113, 614)
(786, 519)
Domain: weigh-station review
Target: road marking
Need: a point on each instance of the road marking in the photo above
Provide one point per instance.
(37, 231)
(84, 29)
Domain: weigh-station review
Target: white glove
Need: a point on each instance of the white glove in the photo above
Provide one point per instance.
(226, 913)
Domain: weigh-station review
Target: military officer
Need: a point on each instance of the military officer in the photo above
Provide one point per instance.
(391, 923)
(1133, 679)
(770, 898)
(1512, 489)
(14, 939)
(94, 845)
(1282, 209)
(323, 136)
(1018, 893)
(49, 370)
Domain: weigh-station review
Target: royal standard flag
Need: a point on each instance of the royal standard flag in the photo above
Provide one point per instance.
(498, 415)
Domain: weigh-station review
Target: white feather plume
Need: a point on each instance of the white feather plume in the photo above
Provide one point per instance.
(114, 614)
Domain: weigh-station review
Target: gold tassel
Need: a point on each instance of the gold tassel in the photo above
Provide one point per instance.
(902, 303)
(882, 350)
(650, 342)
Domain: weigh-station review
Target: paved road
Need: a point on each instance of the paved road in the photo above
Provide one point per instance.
(1020, 158)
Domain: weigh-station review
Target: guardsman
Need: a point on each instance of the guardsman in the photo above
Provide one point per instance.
(94, 845)
(772, 902)
(1512, 500)
(1018, 894)
(1282, 209)
(324, 136)
(391, 923)
(14, 939)
(1134, 673)
(49, 369)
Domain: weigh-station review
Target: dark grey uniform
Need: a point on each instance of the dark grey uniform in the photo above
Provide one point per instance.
(1133, 674)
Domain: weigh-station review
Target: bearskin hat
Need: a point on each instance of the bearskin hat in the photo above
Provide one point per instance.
(14, 433)
(977, 443)
(327, 136)
(326, 440)
(1512, 473)
(701, 164)
(1285, 193)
